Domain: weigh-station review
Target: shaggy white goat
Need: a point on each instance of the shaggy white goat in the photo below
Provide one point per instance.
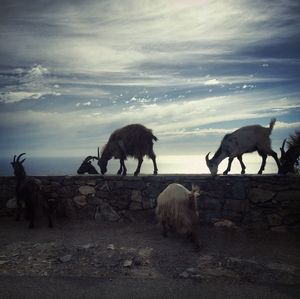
(244, 140)
(177, 209)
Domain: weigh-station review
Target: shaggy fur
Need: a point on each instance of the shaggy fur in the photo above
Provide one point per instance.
(134, 141)
(177, 210)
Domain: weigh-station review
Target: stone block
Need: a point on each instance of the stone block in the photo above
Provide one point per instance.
(291, 219)
(120, 200)
(209, 203)
(279, 229)
(95, 201)
(236, 205)
(55, 185)
(135, 206)
(85, 190)
(105, 212)
(65, 208)
(91, 183)
(209, 216)
(136, 195)
(258, 195)
(238, 191)
(288, 196)
(80, 200)
(148, 203)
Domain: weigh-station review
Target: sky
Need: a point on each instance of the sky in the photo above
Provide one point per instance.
(71, 72)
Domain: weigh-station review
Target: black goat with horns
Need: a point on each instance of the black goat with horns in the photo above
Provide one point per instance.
(28, 191)
(290, 158)
(87, 167)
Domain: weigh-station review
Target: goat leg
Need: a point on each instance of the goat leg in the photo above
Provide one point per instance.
(192, 236)
(120, 169)
(124, 168)
(49, 210)
(153, 158)
(31, 217)
(50, 223)
(19, 209)
(263, 163)
(228, 166)
(138, 169)
(242, 164)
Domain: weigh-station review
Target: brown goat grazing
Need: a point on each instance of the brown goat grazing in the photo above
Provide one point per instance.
(28, 191)
(133, 140)
(177, 209)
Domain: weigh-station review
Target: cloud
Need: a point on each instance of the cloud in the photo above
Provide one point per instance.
(183, 68)
(29, 83)
(211, 82)
(284, 125)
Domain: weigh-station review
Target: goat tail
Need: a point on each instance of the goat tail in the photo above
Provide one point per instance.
(272, 123)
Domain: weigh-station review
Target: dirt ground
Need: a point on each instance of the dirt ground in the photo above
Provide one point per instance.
(137, 250)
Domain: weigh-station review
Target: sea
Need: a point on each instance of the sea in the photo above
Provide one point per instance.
(167, 164)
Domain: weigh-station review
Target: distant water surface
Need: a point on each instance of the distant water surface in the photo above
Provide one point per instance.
(190, 164)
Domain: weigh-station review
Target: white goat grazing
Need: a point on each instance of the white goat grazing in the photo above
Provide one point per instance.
(177, 209)
(244, 140)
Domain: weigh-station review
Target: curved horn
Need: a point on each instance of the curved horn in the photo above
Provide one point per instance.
(282, 148)
(283, 143)
(20, 157)
(87, 158)
(14, 158)
(98, 153)
(206, 158)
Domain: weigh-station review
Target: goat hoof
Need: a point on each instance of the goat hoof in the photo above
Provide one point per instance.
(225, 172)
(136, 174)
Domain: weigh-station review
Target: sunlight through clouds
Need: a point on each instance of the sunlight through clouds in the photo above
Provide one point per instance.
(191, 70)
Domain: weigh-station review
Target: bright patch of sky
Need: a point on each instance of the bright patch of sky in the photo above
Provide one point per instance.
(71, 72)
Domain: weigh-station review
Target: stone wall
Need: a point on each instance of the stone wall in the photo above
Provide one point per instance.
(264, 202)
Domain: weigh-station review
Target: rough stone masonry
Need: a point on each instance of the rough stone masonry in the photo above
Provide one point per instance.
(250, 201)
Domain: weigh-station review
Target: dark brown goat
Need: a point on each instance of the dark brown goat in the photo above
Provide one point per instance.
(87, 167)
(28, 191)
(134, 141)
(290, 158)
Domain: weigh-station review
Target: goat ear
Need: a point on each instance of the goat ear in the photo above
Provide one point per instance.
(195, 188)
